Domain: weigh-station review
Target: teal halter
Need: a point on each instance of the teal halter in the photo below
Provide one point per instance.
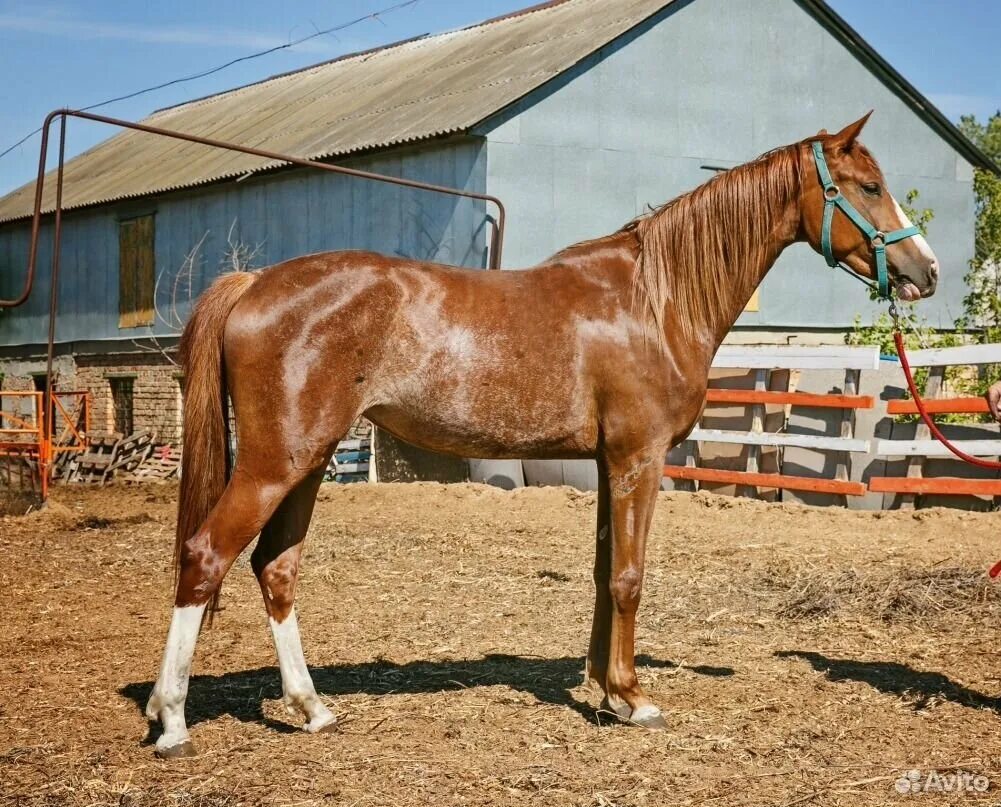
(878, 240)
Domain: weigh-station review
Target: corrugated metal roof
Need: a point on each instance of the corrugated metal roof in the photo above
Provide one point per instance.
(414, 90)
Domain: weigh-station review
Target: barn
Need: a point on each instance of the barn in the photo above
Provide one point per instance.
(578, 114)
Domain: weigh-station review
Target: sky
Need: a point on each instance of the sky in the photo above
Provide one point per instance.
(56, 53)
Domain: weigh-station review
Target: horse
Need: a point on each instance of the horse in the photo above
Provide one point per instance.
(602, 352)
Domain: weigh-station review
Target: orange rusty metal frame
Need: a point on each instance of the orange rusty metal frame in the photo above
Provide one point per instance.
(24, 440)
(46, 446)
(28, 424)
(38, 444)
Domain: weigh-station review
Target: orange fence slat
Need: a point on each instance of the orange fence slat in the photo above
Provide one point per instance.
(744, 397)
(945, 485)
(939, 406)
(836, 486)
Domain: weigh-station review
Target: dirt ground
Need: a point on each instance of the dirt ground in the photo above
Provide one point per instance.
(801, 656)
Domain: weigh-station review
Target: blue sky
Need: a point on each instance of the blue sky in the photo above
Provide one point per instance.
(70, 53)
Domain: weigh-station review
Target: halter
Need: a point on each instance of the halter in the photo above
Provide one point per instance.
(878, 240)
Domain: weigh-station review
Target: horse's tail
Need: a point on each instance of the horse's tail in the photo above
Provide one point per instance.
(205, 460)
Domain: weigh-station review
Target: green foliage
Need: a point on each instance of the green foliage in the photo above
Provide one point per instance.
(919, 218)
(982, 304)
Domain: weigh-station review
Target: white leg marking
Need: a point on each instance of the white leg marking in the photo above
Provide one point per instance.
(300, 695)
(167, 700)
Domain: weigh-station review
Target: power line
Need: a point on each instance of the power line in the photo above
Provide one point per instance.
(375, 15)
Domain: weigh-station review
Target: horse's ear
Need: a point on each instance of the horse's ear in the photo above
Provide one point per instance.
(822, 133)
(844, 139)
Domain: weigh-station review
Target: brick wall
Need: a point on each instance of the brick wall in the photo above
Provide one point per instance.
(156, 392)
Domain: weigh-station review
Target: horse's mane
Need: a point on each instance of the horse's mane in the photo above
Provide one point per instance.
(701, 249)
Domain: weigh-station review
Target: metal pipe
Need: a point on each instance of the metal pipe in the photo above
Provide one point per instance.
(45, 447)
(36, 221)
(48, 407)
(498, 227)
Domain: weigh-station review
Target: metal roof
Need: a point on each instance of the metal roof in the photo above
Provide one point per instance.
(409, 91)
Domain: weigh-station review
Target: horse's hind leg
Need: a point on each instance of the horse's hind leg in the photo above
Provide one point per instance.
(276, 564)
(601, 624)
(247, 503)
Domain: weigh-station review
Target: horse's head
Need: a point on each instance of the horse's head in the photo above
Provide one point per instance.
(863, 218)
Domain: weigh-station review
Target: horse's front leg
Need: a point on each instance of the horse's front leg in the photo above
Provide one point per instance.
(633, 482)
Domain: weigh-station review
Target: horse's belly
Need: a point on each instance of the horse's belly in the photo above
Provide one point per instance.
(497, 425)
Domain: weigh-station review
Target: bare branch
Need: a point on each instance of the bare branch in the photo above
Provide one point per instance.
(240, 257)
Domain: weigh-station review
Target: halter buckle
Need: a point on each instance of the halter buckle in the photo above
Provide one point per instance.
(878, 239)
(832, 192)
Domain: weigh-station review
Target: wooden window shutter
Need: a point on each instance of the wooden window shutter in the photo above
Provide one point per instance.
(136, 271)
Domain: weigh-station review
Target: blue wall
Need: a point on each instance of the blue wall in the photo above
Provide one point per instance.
(717, 82)
(290, 214)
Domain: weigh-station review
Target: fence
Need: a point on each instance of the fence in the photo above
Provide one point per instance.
(790, 360)
(919, 449)
(857, 460)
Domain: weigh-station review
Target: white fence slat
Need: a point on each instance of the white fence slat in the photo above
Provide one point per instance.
(816, 442)
(353, 445)
(933, 448)
(351, 468)
(797, 357)
(965, 354)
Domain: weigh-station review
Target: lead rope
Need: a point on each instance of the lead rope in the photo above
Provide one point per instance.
(898, 340)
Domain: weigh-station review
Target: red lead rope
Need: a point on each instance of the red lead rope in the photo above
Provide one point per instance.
(898, 339)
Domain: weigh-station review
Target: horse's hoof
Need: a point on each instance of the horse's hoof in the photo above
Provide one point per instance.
(179, 751)
(649, 717)
(325, 724)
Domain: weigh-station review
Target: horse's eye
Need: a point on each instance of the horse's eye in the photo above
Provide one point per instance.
(872, 188)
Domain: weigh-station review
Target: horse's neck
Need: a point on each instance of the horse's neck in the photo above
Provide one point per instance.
(748, 272)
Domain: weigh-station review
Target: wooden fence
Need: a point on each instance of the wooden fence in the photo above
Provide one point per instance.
(844, 442)
(923, 446)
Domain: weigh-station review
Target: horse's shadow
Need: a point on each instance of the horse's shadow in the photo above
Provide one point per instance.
(241, 694)
(918, 687)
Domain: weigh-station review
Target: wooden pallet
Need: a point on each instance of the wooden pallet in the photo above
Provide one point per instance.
(162, 465)
(350, 462)
(109, 454)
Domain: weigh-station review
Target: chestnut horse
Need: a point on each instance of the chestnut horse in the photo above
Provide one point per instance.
(601, 352)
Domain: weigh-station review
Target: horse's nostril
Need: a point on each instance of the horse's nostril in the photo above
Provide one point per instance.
(933, 270)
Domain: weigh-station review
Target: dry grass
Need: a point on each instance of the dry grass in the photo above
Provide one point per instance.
(902, 594)
(801, 656)
(17, 502)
